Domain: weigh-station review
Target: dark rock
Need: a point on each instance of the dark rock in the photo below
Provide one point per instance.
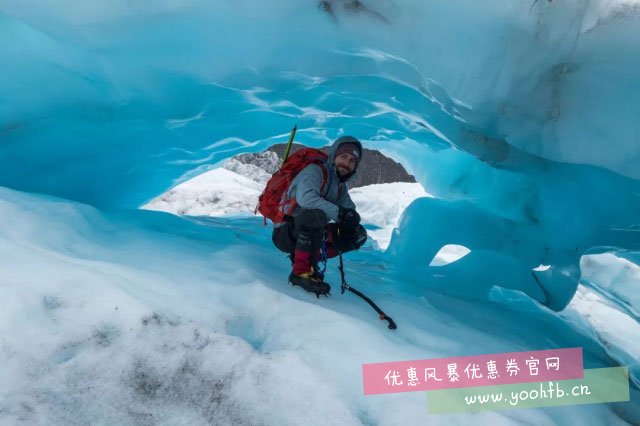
(375, 168)
(265, 160)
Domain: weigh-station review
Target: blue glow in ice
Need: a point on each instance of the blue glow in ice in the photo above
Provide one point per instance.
(522, 119)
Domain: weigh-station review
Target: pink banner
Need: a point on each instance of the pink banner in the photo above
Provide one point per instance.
(470, 371)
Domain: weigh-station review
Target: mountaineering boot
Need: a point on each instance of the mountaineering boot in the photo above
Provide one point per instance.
(318, 275)
(310, 282)
(316, 270)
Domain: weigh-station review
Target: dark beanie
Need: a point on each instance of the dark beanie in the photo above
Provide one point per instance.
(351, 148)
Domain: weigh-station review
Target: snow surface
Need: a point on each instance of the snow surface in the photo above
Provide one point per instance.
(146, 318)
(618, 276)
(449, 254)
(221, 192)
(218, 192)
(521, 117)
(608, 300)
(617, 331)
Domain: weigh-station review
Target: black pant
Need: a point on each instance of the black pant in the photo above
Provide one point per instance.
(309, 229)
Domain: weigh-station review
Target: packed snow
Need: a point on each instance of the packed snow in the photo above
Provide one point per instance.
(234, 190)
(520, 118)
(173, 322)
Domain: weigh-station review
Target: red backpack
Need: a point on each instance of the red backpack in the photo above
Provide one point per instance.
(271, 203)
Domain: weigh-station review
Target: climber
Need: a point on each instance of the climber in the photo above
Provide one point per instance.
(324, 221)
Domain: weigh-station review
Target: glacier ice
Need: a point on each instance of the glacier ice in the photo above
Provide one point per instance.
(521, 120)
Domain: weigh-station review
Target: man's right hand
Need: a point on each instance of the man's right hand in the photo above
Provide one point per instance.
(348, 219)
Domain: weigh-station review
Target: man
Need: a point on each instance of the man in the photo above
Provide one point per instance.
(324, 214)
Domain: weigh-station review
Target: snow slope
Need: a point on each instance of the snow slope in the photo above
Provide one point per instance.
(521, 118)
(141, 317)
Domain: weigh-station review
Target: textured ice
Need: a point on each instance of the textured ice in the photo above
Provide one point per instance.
(520, 118)
(146, 318)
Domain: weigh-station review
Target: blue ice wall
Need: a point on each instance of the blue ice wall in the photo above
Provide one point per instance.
(522, 118)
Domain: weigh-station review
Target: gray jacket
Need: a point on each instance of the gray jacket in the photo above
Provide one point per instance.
(305, 187)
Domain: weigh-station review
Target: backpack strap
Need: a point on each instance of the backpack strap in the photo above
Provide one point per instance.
(291, 203)
(324, 166)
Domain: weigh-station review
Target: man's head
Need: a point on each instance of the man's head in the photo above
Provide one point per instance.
(348, 151)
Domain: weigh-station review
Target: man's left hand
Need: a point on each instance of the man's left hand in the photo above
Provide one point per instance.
(349, 219)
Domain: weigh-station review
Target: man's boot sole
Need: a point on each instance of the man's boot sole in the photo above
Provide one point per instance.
(316, 292)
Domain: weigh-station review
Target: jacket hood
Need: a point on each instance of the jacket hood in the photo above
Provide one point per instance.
(342, 140)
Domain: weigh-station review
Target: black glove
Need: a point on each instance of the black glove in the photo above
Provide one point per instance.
(348, 219)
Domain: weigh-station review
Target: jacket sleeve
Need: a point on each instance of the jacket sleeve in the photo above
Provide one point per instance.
(344, 200)
(306, 190)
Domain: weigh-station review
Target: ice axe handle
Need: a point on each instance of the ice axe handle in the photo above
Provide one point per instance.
(291, 136)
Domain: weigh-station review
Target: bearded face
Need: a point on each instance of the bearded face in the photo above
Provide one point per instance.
(345, 164)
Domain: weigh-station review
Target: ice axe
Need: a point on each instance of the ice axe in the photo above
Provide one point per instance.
(345, 286)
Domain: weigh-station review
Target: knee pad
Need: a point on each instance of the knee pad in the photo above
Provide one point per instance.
(282, 239)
